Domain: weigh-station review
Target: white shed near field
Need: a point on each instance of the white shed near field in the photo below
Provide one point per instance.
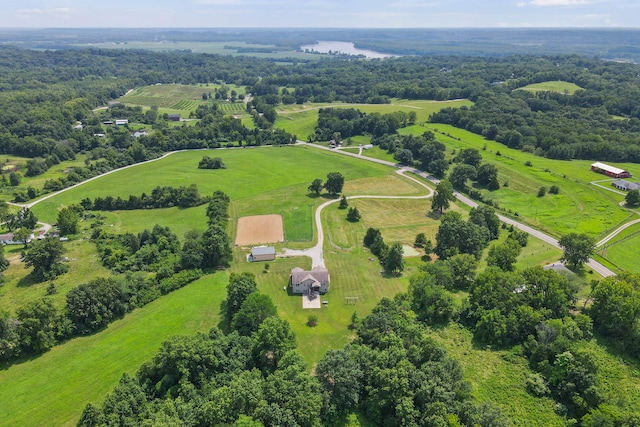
(262, 253)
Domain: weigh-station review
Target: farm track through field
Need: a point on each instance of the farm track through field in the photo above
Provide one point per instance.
(316, 253)
(593, 264)
(596, 266)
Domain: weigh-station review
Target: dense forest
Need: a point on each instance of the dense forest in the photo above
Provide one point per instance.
(44, 94)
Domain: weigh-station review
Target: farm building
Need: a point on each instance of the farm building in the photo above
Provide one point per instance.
(621, 184)
(122, 122)
(611, 171)
(8, 239)
(174, 117)
(309, 282)
(262, 253)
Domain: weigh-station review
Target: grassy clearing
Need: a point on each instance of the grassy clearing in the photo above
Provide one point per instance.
(301, 119)
(54, 388)
(18, 288)
(11, 163)
(579, 207)
(618, 374)
(378, 153)
(278, 168)
(553, 86)
(622, 251)
(498, 377)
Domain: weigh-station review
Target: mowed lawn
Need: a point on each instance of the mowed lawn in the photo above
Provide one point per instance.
(249, 173)
(53, 389)
(579, 207)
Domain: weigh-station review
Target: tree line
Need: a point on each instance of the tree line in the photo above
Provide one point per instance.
(160, 197)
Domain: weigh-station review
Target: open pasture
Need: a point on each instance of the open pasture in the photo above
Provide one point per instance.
(250, 174)
(254, 230)
(54, 388)
(301, 119)
(579, 206)
(622, 250)
(552, 86)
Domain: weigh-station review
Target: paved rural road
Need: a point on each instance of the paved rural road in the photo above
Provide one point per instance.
(593, 264)
(316, 252)
(596, 266)
(617, 231)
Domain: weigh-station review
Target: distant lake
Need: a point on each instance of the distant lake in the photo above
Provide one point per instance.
(343, 47)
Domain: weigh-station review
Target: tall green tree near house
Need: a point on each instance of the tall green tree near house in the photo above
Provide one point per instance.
(240, 286)
(67, 221)
(632, 199)
(45, 256)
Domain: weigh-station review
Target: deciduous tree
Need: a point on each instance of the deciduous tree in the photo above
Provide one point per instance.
(67, 221)
(632, 199)
(334, 183)
(45, 257)
(577, 248)
(504, 255)
(316, 186)
(442, 196)
(240, 286)
(460, 174)
(253, 311)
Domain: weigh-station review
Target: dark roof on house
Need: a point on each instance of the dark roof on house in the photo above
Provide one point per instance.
(263, 250)
(320, 274)
(620, 183)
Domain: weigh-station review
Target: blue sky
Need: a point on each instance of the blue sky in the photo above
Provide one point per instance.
(320, 13)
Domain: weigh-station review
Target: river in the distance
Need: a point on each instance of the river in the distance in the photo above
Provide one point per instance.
(343, 47)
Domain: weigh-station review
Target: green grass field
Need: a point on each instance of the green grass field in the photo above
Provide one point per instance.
(622, 251)
(18, 288)
(178, 98)
(553, 86)
(54, 388)
(287, 171)
(301, 119)
(579, 207)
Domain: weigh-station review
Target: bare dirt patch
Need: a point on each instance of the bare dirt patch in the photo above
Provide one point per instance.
(258, 229)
